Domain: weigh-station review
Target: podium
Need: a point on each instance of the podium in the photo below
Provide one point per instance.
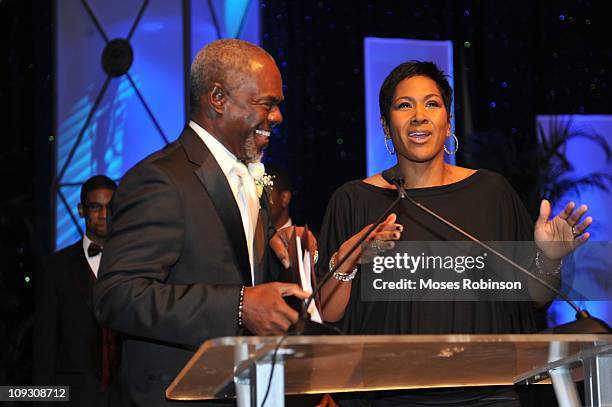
(242, 366)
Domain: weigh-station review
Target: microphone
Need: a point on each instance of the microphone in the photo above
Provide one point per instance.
(304, 326)
(584, 323)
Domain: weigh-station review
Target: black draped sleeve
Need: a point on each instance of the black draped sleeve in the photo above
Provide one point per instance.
(483, 204)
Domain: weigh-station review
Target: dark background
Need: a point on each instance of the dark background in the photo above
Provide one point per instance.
(513, 60)
(525, 57)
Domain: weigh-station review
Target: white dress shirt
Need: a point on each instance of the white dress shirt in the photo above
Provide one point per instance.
(287, 224)
(227, 161)
(94, 261)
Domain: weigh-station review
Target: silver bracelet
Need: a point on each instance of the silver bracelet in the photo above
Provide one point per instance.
(341, 276)
(547, 273)
(241, 307)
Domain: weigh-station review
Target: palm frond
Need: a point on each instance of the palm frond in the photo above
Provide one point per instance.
(598, 180)
(537, 164)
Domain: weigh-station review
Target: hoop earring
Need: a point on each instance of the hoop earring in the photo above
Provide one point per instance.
(391, 151)
(456, 145)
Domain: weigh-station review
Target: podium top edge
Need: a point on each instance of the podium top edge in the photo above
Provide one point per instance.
(383, 339)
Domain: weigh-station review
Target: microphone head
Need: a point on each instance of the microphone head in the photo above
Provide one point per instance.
(398, 181)
(392, 177)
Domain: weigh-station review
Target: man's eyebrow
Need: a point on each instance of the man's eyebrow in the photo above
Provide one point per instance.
(271, 99)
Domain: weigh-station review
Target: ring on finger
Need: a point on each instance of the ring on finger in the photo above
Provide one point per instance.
(574, 231)
(379, 247)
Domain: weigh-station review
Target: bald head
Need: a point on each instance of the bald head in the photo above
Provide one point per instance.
(229, 62)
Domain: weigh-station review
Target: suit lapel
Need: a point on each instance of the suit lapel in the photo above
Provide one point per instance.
(259, 245)
(210, 175)
(263, 232)
(84, 277)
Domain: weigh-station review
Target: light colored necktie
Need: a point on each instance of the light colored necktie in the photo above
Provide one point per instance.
(249, 206)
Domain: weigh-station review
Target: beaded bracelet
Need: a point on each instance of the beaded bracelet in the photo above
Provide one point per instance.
(547, 273)
(241, 307)
(341, 276)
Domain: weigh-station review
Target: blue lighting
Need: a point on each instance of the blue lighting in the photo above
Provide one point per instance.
(381, 56)
(123, 129)
(590, 275)
(234, 12)
(235, 19)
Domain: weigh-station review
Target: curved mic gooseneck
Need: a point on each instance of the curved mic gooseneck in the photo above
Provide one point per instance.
(594, 326)
(304, 314)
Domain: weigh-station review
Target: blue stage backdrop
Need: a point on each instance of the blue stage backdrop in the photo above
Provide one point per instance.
(591, 275)
(110, 117)
(121, 93)
(381, 55)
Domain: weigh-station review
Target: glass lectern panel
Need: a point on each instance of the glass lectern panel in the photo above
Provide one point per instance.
(332, 364)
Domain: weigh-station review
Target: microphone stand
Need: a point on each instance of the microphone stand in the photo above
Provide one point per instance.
(304, 326)
(584, 323)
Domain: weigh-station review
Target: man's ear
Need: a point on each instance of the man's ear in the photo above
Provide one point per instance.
(81, 210)
(285, 199)
(217, 96)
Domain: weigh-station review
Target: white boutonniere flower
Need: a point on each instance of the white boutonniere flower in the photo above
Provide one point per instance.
(262, 180)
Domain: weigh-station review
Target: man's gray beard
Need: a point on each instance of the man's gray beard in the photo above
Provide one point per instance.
(250, 150)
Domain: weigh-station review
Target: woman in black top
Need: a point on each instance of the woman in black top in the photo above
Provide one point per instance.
(415, 101)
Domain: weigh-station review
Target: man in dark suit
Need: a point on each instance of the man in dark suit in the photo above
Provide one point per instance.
(281, 198)
(70, 347)
(188, 240)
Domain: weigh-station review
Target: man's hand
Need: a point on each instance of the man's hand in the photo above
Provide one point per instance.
(280, 243)
(264, 310)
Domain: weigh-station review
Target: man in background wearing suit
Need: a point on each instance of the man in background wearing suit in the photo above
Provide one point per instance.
(70, 347)
(188, 257)
(281, 198)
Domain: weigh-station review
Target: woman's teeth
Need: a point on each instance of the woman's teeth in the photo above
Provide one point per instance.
(419, 137)
(262, 132)
(418, 134)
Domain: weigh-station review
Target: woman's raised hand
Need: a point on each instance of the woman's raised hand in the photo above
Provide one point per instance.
(560, 235)
(379, 240)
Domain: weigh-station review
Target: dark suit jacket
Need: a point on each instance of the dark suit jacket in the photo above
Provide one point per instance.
(67, 337)
(174, 264)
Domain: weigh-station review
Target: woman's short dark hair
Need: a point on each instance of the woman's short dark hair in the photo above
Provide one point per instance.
(408, 70)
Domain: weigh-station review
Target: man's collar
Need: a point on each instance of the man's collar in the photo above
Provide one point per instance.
(224, 157)
(86, 242)
(287, 224)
